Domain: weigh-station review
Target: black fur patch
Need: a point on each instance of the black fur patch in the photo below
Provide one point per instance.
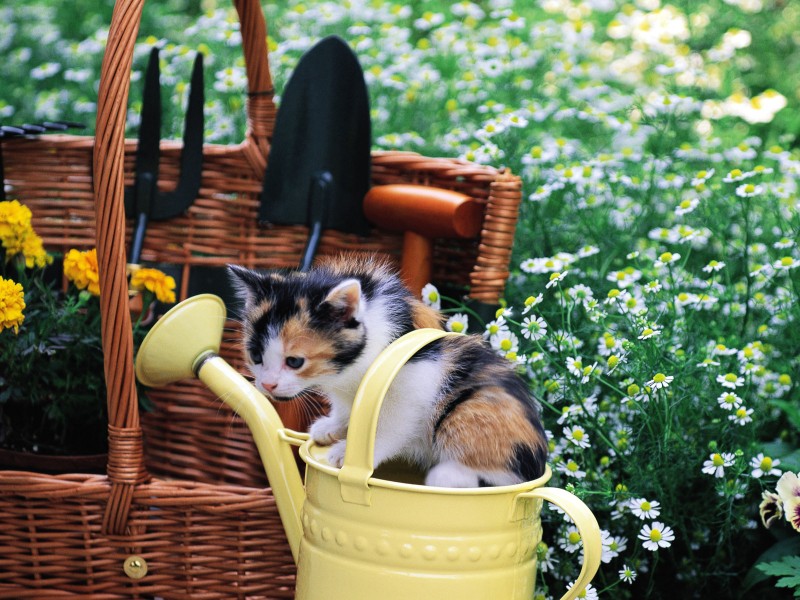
(527, 462)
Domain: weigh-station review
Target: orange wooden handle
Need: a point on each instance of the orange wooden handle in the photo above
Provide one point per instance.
(430, 212)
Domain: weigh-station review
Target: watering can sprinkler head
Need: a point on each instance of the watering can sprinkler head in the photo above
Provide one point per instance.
(196, 325)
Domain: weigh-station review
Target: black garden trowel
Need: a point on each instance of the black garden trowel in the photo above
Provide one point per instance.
(143, 201)
(318, 170)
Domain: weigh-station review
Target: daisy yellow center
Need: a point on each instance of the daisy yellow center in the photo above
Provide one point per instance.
(749, 188)
(493, 329)
(766, 463)
(659, 378)
(572, 466)
(505, 345)
(686, 204)
(647, 331)
(433, 296)
(736, 173)
(731, 377)
(633, 389)
(741, 413)
(574, 537)
(655, 535)
(457, 326)
(645, 506)
(613, 361)
(554, 276)
(785, 379)
(665, 257)
(717, 460)
(610, 341)
(702, 174)
(578, 364)
(588, 370)
(730, 399)
(614, 293)
(787, 261)
(577, 435)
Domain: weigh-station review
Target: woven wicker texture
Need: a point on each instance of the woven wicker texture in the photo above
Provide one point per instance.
(185, 488)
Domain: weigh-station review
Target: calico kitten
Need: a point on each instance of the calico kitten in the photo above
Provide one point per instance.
(457, 408)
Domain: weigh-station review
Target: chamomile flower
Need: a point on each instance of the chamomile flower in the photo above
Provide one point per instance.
(736, 175)
(587, 593)
(686, 206)
(532, 301)
(571, 468)
(555, 278)
(764, 465)
(534, 328)
(701, 177)
(707, 362)
(504, 342)
(667, 258)
(496, 327)
(659, 381)
(717, 463)
(577, 435)
(570, 540)
(786, 263)
(457, 323)
(729, 400)
(430, 296)
(649, 332)
(748, 190)
(742, 416)
(627, 574)
(645, 509)
(714, 266)
(613, 546)
(656, 535)
(652, 287)
(730, 380)
(575, 365)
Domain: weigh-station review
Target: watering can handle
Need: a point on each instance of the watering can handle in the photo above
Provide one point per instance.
(359, 457)
(587, 526)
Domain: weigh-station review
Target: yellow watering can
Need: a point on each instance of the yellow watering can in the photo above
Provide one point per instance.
(356, 534)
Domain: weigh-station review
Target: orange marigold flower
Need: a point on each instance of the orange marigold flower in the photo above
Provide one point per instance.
(12, 303)
(82, 270)
(153, 280)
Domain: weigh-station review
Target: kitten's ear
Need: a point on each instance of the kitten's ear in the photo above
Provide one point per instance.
(345, 300)
(250, 285)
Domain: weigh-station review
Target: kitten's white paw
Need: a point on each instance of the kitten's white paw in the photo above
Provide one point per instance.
(325, 431)
(336, 454)
(452, 474)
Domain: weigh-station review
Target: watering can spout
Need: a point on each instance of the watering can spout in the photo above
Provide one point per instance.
(185, 343)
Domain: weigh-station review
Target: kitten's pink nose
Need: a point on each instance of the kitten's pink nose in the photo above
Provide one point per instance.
(269, 387)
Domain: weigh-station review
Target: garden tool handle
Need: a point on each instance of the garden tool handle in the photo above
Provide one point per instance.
(587, 526)
(359, 456)
(423, 213)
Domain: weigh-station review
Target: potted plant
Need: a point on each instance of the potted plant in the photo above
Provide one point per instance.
(52, 389)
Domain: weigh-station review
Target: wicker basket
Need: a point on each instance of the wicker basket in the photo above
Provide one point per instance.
(185, 490)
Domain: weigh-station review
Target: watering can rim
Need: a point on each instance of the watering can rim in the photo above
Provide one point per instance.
(307, 455)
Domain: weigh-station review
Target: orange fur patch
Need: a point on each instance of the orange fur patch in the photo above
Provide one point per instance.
(300, 340)
(481, 433)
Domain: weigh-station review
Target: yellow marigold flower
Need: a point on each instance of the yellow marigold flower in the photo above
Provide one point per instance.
(15, 222)
(12, 303)
(162, 285)
(82, 270)
(34, 252)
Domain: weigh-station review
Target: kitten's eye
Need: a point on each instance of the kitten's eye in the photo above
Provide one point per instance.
(257, 361)
(294, 362)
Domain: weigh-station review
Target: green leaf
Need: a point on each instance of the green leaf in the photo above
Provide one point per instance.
(790, 409)
(787, 571)
(788, 547)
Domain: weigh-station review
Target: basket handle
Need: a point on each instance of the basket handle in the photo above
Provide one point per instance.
(125, 451)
